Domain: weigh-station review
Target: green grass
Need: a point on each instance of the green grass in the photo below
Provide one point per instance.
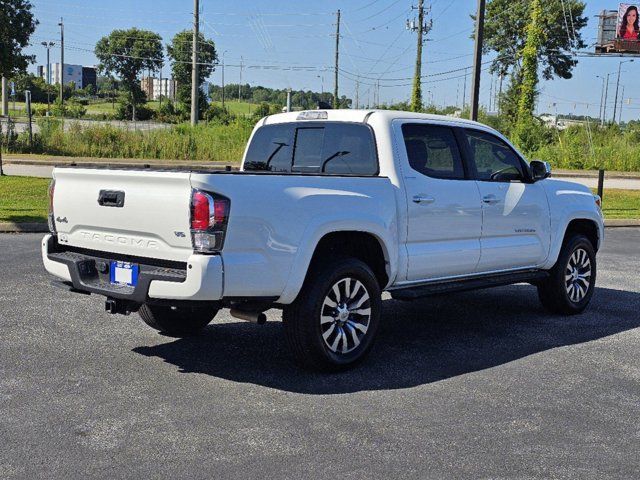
(239, 108)
(23, 199)
(622, 204)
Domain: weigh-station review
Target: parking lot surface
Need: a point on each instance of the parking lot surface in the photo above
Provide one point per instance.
(483, 384)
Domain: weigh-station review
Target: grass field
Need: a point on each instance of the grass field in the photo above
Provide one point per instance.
(621, 204)
(24, 199)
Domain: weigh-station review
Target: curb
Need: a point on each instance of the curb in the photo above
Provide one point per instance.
(615, 222)
(36, 227)
(23, 227)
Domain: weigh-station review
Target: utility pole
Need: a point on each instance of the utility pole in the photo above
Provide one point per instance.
(621, 101)
(5, 97)
(61, 25)
(288, 100)
(464, 90)
(615, 104)
(357, 92)
(223, 78)
(477, 61)
(500, 94)
(606, 98)
(161, 88)
(416, 93)
(335, 79)
(194, 63)
(240, 84)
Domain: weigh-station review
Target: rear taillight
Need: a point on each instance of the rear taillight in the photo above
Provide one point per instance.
(209, 216)
(50, 218)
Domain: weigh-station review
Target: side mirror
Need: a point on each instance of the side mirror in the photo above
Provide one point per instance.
(540, 170)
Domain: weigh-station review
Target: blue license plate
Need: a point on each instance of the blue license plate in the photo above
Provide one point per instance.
(123, 273)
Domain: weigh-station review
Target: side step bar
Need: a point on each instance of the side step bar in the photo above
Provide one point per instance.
(412, 293)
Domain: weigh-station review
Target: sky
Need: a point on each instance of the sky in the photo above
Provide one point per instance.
(287, 43)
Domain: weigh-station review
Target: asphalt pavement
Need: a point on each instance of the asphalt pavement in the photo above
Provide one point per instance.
(475, 385)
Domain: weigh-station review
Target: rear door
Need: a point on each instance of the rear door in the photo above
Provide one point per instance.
(142, 213)
(515, 228)
(444, 211)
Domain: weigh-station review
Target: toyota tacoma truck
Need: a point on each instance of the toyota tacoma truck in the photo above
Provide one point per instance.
(328, 210)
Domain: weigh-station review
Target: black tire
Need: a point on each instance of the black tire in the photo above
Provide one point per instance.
(178, 321)
(556, 293)
(306, 320)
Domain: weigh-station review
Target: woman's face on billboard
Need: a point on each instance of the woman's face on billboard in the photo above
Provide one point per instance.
(632, 15)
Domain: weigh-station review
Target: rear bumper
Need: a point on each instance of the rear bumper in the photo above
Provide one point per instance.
(199, 279)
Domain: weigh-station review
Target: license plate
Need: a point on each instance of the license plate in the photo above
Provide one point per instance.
(124, 273)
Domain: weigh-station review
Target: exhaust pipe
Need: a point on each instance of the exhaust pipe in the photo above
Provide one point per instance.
(254, 317)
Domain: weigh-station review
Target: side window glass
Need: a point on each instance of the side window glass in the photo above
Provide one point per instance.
(432, 150)
(493, 158)
(271, 149)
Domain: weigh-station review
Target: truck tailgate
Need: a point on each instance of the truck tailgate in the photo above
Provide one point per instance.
(141, 213)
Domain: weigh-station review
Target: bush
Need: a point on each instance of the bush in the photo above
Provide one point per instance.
(214, 142)
(218, 114)
(125, 112)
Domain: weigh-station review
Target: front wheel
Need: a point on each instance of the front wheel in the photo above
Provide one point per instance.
(332, 324)
(571, 282)
(179, 321)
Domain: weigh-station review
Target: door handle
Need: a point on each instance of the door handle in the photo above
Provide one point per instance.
(423, 199)
(490, 199)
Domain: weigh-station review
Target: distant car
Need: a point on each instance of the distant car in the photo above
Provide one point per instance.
(329, 209)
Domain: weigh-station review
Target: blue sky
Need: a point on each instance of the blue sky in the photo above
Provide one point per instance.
(271, 35)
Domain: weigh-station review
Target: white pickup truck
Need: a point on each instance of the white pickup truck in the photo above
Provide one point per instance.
(329, 209)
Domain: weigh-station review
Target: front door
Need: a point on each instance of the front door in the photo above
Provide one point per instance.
(515, 227)
(444, 209)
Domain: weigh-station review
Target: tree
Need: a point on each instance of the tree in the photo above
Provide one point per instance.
(127, 53)
(180, 53)
(561, 22)
(506, 32)
(527, 95)
(16, 26)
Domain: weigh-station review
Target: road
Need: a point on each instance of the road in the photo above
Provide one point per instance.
(476, 385)
(22, 125)
(632, 183)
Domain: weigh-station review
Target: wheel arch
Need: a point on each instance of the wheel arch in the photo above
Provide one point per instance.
(364, 244)
(586, 225)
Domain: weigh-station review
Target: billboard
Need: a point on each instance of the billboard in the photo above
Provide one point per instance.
(628, 26)
(619, 30)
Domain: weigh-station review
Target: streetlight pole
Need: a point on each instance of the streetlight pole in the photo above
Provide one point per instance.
(606, 97)
(601, 97)
(61, 25)
(48, 46)
(615, 104)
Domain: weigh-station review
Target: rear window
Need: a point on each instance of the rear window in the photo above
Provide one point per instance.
(329, 148)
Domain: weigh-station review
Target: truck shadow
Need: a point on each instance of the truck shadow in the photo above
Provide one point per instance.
(419, 342)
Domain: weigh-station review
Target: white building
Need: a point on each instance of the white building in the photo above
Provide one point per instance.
(154, 87)
(72, 73)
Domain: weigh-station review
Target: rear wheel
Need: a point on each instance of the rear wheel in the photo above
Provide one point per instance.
(571, 282)
(333, 322)
(177, 321)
